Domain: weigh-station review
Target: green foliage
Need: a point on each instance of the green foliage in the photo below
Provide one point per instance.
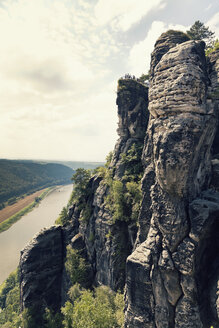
(81, 179)
(132, 162)
(119, 309)
(99, 309)
(144, 78)
(80, 196)
(10, 302)
(91, 237)
(105, 172)
(133, 198)
(81, 192)
(21, 177)
(198, 31)
(63, 216)
(76, 267)
(109, 158)
(215, 46)
(124, 196)
(32, 318)
(75, 292)
(52, 320)
(10, 283)
(115, 201)
(67, 312)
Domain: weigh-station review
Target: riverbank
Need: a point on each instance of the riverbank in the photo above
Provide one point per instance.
(12, 213)
(17, 237)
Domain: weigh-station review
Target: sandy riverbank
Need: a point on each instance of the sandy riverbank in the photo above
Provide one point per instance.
(10, 210)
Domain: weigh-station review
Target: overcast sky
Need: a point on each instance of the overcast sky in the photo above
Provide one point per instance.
(59, 65)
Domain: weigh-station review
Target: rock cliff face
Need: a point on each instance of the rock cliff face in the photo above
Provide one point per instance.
(41, 266)
(172, 255)
(104, 242)
(170, 277)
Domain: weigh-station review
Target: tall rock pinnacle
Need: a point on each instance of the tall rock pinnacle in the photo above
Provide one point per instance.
(163, 289)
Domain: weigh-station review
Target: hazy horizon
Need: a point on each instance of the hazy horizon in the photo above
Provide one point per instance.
(60, 62)
(49, 160)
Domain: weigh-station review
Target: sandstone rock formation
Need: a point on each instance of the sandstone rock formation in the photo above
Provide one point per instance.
(168, 274)
(41, 266)
(172, 256)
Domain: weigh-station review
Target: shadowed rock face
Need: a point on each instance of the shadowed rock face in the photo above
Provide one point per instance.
(132, 101)
(108, 254)
(41, 265)
(164, 286)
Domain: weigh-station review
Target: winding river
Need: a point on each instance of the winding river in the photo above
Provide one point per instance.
(14, 239)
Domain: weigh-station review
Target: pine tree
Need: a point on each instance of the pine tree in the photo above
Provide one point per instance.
(198, 31)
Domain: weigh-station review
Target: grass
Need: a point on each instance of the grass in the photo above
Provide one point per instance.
(5, 225)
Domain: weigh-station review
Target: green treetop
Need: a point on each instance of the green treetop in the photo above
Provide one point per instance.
(198, 31)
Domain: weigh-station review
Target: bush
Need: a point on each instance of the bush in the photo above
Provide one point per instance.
(124, 196)
(76, 267)
(10, 302)
(214, 47)
(10, 283)
(99, 309)
(63, 216)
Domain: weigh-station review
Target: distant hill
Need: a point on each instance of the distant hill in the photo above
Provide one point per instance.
(75, 165)
(20, 177)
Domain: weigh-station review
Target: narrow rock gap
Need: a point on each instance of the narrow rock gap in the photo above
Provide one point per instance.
(207, 276)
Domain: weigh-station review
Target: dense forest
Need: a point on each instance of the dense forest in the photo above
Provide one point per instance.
(20, 177)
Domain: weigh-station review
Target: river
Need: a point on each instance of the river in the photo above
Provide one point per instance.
(15, 238)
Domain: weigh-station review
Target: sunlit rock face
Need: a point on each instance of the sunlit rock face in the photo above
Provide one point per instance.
(165, 286)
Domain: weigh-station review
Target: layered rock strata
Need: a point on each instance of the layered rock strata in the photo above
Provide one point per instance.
(167, 282)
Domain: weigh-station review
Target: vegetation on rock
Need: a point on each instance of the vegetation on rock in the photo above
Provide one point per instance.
(76, 267)
(198, 31)
(124, 196)
(101, 308)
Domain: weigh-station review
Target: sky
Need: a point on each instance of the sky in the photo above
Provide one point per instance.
(59, 65)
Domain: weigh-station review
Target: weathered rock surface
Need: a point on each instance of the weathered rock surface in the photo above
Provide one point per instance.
(172, 257)
(111, 243)
(41, 265)
(178, 215)
(163, 44)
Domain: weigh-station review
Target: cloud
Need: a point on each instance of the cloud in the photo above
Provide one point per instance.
(123, 14)
(213, 24)
(209, 7)
(50, 46)
(140, 54)
(53, 81)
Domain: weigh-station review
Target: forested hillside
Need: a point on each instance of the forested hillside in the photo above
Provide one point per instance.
(20, 177)
(76, 165)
